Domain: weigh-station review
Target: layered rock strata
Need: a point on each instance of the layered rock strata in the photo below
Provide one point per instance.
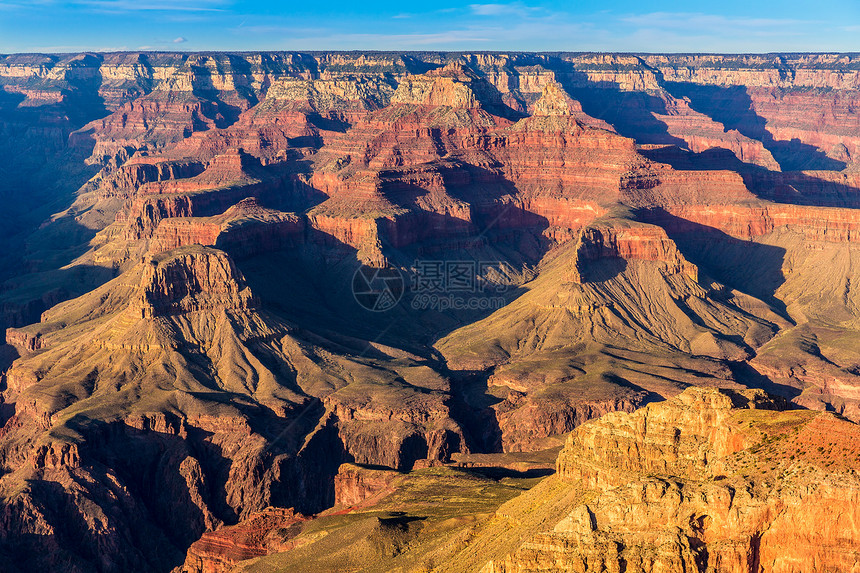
(706, 481)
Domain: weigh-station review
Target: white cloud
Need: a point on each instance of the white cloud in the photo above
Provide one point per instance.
(696, 21)
(12, 6)
(335, 41)
(180, 40)
(703, 32)
(514, 9)
(74, 48)
(156, 5)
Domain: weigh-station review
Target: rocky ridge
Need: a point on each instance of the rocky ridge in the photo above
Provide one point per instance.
(711, 480)
(184, 230)
(703, 483)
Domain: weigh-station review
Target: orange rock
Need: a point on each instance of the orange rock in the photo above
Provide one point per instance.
(702, 482)
(259, 534)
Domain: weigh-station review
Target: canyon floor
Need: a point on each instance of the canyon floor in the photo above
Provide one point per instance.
(429, 312)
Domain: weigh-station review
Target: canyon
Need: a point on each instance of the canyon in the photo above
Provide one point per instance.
(603, 267)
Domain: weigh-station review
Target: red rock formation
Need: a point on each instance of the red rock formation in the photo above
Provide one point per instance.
(23, 340)
(183, 94)
(556, 156)
(403, 171)
(189, 282)
(227, 179)
(700, 133)
(354, 484)
(750, 222)
(56, 456)
(821, 118)
(259, 534)
(554, 101)
(244, 229)
(644, 243)
(395, 435)
(158, 324)
(20, 314)
(763, 70)
(175, 374)
(296, 112)
(428, 116)
(528, 423)
(691, 484)
(124, 181)
(681, 437)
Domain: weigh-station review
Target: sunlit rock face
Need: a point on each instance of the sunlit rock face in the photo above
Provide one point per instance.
(703, 482)
(189, 376)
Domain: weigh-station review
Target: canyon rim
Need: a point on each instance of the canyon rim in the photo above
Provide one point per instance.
(429, 311)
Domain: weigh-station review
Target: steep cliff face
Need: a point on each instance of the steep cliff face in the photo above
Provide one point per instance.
(295, 112)
(189, 283)
(192, 106)
(800, 106)
(142, 361)
(683, 437)
(781, 245)
(702, 482)
(261, 533)
(621, 295)
(555, 154)
(354, 484)
(428, 116)
(443, 161)
(591, 280)
(752, 222)
(176, 95)
(245, 229)
(711, 480)
(629, 226)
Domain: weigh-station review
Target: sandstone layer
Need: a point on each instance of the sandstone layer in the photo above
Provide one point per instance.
(191, 362)
(708, 481)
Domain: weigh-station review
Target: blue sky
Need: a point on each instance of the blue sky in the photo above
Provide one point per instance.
(586, 25)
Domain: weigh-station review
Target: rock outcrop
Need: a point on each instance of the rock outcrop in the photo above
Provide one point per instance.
(354, 485)
(259, 534)
(590, 294)
(704, 482)
(564, 236)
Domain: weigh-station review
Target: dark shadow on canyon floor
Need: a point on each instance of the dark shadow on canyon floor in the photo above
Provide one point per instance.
(735, 109)
(750, 267)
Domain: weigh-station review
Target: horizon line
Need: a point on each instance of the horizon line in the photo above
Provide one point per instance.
(442, 51)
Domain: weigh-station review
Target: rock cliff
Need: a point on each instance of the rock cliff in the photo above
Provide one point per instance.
(708, 481)
(566, 236)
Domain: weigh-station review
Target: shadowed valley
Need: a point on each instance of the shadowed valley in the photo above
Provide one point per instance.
(341, 311)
